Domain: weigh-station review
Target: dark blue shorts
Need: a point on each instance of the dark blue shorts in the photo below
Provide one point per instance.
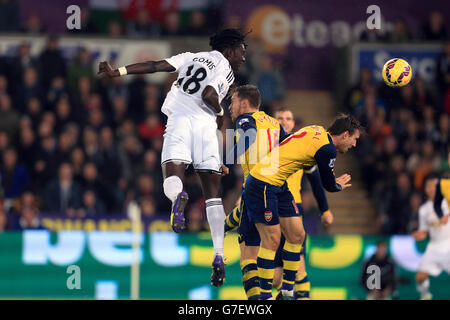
(265, 203)
(248, 234)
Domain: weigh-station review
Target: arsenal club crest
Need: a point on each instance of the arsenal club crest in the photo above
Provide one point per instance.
(268, 216)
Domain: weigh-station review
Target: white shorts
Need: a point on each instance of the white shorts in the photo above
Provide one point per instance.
(192, 139)
(435, 260)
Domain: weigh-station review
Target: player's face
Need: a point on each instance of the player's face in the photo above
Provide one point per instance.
(286, 120)
(430, 188)
(237, 58)
(235, 106)
(348, 141)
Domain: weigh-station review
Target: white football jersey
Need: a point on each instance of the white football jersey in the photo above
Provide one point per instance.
(429, 222)
(195, 72)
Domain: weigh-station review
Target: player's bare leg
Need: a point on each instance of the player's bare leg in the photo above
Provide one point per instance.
(294, 233)
(423, 285)
(173, 173)
(216, 217)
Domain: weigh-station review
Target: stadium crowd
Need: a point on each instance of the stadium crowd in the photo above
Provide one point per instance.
(75, 145)
(408, 138)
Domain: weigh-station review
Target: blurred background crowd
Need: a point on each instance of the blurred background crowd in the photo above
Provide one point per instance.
(79, 146)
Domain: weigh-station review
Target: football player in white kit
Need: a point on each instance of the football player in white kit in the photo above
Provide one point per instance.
(194, 114)
(437, 255)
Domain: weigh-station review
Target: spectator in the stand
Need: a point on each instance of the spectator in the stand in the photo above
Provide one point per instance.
(423, 95)
(3, 85)
(92, 146)
(56, 91)
(117, 87)
(195, 219)
(29, 88)
(115, 29)
(9, 15)
(63, 195)
(435, 29)
(143, 26)
(46, 162)
(77, 159)
(372, 35)
(148, 207)
(4, 142)
(119, 111)
(397, 212)
(400, 32)
(269, 81)
(81, 96)
(132, 150)
(13, 174)
(92, 206)
(423, 163)
(387, 271)
(356, 92)
(4, 225)
(52, 63)
(197, 25)
(9, 118)
(63, 114)
(33, 25)
(111, 169)
(92, 181)
(22, 61)
(443, 71)
(28, 147)
(29, 219)
(80, 67)
(34, 112)
(152, 127)
(171, 25)
(443, 141)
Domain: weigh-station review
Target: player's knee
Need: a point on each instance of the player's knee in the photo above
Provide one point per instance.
(271, 241)
(172, 187)
(296, 236)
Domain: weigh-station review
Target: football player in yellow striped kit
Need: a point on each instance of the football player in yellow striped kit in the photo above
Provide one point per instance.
(271, 207)
(302, 284)
(256, 135)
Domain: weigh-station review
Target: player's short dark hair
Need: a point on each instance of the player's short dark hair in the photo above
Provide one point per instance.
(345, 122)
(227, 39)
(249, 92)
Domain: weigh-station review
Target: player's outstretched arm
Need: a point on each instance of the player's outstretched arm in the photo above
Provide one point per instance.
(325, 158)
(104, 68)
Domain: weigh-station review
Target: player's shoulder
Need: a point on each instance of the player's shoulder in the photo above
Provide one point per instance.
(245, 120)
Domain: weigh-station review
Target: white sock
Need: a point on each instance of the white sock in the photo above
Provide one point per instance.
(216, 218)
(172, 187)
(423, 287)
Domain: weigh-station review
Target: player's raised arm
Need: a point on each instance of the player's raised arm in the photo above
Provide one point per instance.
(104, 69)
